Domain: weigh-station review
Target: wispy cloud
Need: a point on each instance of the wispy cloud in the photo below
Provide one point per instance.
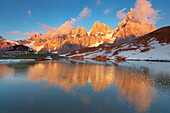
(48, 28)
(12, 32)
(29, 12)
(121, 14)
(98, 2)
(73, 20)
(144, 13)
(85, 13)
(25, 23)
(107, 11)
(68, 25)
(27, 34)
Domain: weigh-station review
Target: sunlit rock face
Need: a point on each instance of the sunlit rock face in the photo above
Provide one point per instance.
(52, 42)
(35, 36)
(65, 41)
(130, 28)
(100, 29)
(102, 32)
(98, 34)
(79, 32)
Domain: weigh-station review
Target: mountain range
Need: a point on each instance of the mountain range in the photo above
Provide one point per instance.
(154, 46)
(73, 39)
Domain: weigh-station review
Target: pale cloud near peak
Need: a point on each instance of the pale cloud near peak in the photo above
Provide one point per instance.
(27, 34)
(29, 12)
(98, 2)
(144, 13)
(13, 32)
(121, 14)
(107, 11)
(63, 29)
(73, 20)
(66, 26)
(85, 13)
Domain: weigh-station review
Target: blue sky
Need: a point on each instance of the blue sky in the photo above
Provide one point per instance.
(27, 15)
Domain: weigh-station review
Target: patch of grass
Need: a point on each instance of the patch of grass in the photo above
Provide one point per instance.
(25, 56)
(6, 57)
(30, 56)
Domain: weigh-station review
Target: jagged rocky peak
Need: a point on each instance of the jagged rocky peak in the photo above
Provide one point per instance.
(80, 31)
(1, 38)
(130, 28)
(23, 41)
(100, 29)
(35, 36)
(129, 16)
(6, 45)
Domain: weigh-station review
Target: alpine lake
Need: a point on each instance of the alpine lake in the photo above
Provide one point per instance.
(66, 86)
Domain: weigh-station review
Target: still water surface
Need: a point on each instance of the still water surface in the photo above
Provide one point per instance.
(69, 87)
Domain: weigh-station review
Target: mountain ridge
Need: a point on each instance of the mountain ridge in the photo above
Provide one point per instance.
(62, 40)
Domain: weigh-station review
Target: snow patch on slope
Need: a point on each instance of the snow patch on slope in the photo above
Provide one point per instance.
(11, 41)
(158, 53)
(31, 45)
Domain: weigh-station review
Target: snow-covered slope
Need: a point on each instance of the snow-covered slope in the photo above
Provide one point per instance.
(11, 41)
(153, 46)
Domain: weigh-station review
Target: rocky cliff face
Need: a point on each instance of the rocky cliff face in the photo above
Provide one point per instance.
(130, 28)
(79, 32)
(100, 29)
(1, 38)
(5, 45)
(103, 32)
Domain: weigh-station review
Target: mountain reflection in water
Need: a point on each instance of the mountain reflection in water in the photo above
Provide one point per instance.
(137, 88)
